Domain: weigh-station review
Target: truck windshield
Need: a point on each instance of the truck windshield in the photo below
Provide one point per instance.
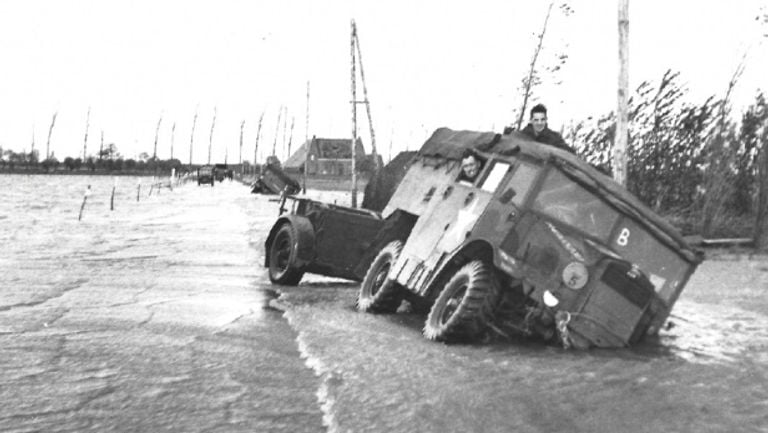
(567, 201)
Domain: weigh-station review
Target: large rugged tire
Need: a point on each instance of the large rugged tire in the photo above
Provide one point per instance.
(282, 257)
(378, 293)
(464, 308)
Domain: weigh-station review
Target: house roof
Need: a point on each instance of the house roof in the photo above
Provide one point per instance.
(328, 148)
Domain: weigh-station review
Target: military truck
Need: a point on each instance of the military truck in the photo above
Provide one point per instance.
(273, 180)
(205, 175)
(539, 243)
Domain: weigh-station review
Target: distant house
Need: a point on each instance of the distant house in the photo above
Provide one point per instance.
(327, 157)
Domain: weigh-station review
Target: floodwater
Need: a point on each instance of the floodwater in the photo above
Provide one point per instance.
(158, 316)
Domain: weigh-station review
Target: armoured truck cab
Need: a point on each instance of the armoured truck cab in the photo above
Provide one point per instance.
(539, 243)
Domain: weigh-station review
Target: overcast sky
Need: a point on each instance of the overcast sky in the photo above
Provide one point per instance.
(427, 64)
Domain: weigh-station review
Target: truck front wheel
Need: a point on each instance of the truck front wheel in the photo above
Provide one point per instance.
(464, 308)
(378, 293)
(282, 257)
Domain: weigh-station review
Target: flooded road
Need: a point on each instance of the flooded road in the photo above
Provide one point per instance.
(158, 317)
(149, 318)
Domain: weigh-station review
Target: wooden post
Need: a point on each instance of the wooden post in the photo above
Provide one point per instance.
(85, 198)
(285, 126)
(367, 102)
(210, 138)
(256, 147)
(112, 197)
(290, 139)
(192, 139)
(85, 140)
(242, 126)
(277, 130)
(622, 119)
(173, 133)
(50, 131)
(157, 132)
(307, 144)
(138, 190)
(354, 116)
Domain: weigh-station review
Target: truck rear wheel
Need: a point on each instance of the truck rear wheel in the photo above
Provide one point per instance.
(378, 293)
(282, 257)
(464, 308)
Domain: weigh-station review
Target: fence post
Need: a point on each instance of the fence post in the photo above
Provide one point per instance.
(112, 198)
(138, 190)
(85, 198)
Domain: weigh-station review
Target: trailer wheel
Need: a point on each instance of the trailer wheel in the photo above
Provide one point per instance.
(282, 257)
(378, 293)
(464, 308)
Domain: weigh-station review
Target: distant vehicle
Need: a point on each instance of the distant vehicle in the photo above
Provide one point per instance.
(273, 180)
(222, 171)
(205, 175)
(539, 243)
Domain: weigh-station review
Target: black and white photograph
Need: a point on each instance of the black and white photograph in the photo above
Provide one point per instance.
(358, 216)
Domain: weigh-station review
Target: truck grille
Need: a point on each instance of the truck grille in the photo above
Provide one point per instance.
(638, 290)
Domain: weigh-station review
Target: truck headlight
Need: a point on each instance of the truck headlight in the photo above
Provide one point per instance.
(550, 300)
(575, 275)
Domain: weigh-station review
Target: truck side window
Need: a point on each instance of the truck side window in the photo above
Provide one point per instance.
(520, 182)
(495, 175)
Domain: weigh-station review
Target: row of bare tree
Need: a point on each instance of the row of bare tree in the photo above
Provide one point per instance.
(697, 163)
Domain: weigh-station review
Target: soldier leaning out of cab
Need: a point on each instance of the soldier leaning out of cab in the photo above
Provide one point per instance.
(538, 130)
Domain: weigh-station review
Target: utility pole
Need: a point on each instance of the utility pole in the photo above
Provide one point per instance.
(157, 132)
(192, 138)
(32, 151)
(366, 101)
(85, 140)
(173, 133)
(290, 139)
(256, 147)
(307, 144)
(50, 131)
(242, 126)
(210, 138)
(285, 126)
(622, 120)
(354, 115)
(277, 130)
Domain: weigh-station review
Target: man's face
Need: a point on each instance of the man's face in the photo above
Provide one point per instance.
(470, 165)
(539, 122)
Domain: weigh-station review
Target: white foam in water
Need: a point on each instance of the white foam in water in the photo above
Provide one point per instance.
(324, 397)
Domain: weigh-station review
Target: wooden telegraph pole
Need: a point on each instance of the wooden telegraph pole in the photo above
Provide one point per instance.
(192, 138)
(173, 133)
(210, 137)
(85, 140)
(622, 119)
(365, 100)
(354, 116)
(256, 147)
(240, 160)
(306, 143)
(157, 132)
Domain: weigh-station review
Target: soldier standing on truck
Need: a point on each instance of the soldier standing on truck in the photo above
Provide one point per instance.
(538, 131)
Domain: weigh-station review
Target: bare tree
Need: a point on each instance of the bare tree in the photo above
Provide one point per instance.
(528, 82)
